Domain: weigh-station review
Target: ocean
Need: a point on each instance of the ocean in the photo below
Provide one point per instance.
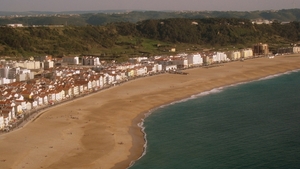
(249, 125)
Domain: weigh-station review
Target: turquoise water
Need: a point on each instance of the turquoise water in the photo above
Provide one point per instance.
(251, 125)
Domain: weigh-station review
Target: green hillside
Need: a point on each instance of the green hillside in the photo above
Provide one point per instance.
(122, 40)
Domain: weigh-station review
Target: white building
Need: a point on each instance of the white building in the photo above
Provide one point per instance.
(141, 70)
(28, 64)
(220, 57)
(91, 61)
(1, 122)
(296, 49)
(246, 53)
(194, 60)
(6, 81)
(138, 59)
(9, 75)
(15, 25)
(169, 67)
(24, 76)
(28, 106)
(234, 55)
(158, 67)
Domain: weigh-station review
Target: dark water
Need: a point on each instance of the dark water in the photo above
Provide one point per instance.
(252, 125)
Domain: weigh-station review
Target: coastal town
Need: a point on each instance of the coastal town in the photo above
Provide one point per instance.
(30, 86)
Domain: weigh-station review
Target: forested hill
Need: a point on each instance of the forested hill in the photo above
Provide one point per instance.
(124, 39)
(81, 18)
(216, 31)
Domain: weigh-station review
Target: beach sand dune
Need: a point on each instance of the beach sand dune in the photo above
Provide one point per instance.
(100, 130)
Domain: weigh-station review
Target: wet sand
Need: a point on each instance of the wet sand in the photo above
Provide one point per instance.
(100, 130)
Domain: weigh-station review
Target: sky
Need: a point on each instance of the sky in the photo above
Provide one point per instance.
(153, 5)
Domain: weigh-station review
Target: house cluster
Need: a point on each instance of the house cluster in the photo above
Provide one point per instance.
(90, 61)
(12, 71)
(18, 25)
(9, 75)
(86, 60)
(261, 21)
(15, 25)
(18, 98)
(293, 49)
(59, 84)
(263, 49)
(56, 84)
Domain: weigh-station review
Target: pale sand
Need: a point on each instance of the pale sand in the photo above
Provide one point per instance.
(100, 130)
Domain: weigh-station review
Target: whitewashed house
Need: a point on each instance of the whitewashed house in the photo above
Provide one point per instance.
(159, 67)
(6, 117)
(141, 70)
(82, 86)
(28, 106)
(62, 93)
(90, 85)
(122, 74)
(2, 124)
(97, 81)
(68, 91)
(92, 82)
(34, 104)
(19, 109)
(116, 78)
(101, 81)
(39, 100)
(20, 106)
(6, 81)
(45, 98)
(51, 97)
(11, 113)
(75, 90)
(108, 79)
(58, 95)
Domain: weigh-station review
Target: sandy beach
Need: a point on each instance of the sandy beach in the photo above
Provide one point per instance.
(100, 130)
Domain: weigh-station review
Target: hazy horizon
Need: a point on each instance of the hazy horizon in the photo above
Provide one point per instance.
(153, 5)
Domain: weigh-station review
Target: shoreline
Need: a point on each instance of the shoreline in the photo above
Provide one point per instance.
(149, 112)
(106, 133)
(202, 94)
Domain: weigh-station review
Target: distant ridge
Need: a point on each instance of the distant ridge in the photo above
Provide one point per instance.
(103, 17)
(7, 13)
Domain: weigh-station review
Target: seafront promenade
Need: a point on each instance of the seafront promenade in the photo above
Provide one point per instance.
(87, 132)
